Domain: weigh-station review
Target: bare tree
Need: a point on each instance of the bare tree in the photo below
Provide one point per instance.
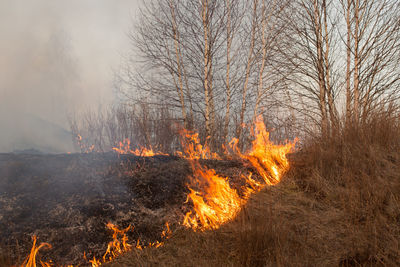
(250, 60)
(270, 31)
(372, 46)
(229, 38)
(310, 55)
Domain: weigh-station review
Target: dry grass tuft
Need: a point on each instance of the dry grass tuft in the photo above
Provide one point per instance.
(338, 205)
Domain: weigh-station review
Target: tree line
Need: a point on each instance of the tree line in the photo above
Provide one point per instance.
(214, 66)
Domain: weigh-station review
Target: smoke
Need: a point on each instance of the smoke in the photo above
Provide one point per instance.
(56, 58)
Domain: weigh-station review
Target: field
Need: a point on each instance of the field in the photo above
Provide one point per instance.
(338, 203)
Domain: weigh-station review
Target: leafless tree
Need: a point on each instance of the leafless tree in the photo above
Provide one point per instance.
(372, 46)
(217, 65)
(310, 54)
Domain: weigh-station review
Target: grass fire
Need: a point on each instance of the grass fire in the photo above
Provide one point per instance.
(215, 200)
(200, 133)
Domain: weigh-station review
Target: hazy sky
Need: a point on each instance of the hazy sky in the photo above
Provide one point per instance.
(49, 46)
(57, 56)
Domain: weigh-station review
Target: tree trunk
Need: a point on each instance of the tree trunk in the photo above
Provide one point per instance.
(320, 69)
(206, 81)
(348, 63)
(228, 65)
(356, 62)
(247, 73)
(332, 107)
(179, 64)
(263, 58)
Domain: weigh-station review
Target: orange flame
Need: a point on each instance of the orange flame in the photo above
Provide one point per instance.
(192, 149)
(84, 148)
(215, 205)
(166, 233)
(125, 148)
(95, 262)
(31, 260)
(118, 246)
(268, 159)
(217, 202)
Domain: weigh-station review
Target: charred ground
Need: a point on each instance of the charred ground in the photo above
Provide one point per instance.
(67, 200)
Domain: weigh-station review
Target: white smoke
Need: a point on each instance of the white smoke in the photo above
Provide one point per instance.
(56, 58)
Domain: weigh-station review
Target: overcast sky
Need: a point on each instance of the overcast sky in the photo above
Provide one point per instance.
(57, 57)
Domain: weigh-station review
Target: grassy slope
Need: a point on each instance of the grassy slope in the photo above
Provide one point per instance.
(338, 205)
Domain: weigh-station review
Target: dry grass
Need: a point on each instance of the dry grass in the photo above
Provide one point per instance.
(338, 205)
(5, 259)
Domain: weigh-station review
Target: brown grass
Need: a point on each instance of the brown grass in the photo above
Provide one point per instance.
(338, 205)
(5, 259)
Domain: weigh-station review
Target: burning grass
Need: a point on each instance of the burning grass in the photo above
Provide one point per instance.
(68, 200)
(125, 148)
(339, 204)
(75, 197)
(215, 202)
(214, 199)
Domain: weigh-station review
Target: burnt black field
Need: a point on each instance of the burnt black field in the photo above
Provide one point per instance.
(67, 200)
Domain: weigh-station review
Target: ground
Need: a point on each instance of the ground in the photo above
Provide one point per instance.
(338, 205)
(67, 200)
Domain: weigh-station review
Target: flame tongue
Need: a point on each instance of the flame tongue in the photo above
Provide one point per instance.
(268, 159)
(117, 247)
(216, 202)
(31, 260)
(125, 148)
(192, 148)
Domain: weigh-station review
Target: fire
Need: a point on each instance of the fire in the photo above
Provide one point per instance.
(125, 148)
(84, 148)
(268, 159)
(216, 202)
(31, 260)
(192, 149)
(118, 246)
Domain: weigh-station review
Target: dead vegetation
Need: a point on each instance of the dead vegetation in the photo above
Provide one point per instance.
(338, 205)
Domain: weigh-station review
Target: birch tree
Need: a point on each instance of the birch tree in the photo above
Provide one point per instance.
(311, 58)
(372, 45)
